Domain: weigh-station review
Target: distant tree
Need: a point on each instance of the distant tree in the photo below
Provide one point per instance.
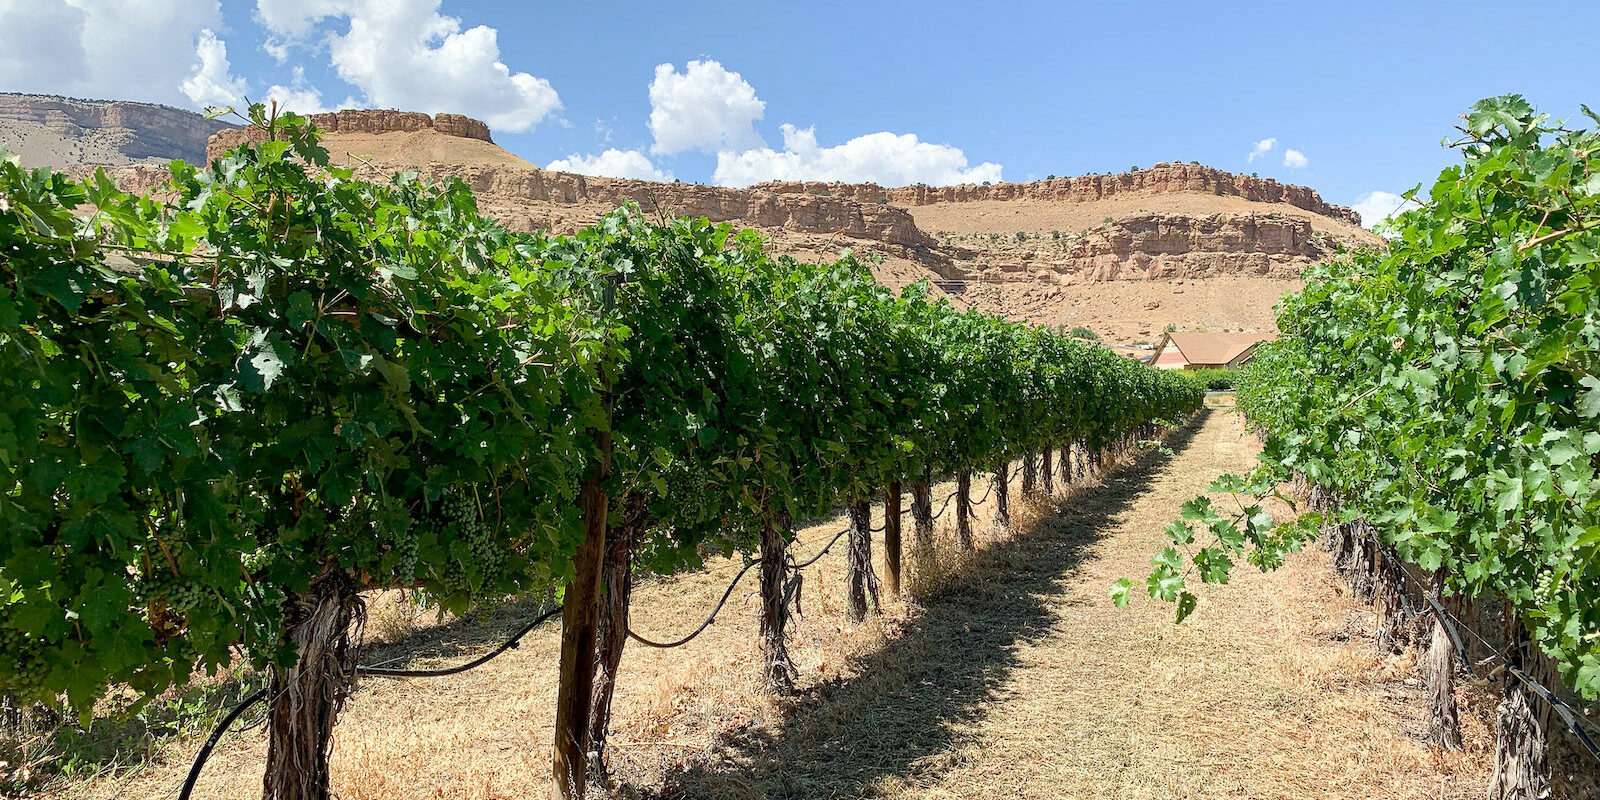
(1083, 333)
(985, 183)
(1170, 328)
(1022, 236)
(1049, 177)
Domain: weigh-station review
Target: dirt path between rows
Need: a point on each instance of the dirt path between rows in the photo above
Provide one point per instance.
(1018, 678)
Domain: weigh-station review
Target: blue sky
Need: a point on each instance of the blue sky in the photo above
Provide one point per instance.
(898, 91)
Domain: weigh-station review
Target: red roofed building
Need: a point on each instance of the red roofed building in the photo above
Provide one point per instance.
(1200, 350)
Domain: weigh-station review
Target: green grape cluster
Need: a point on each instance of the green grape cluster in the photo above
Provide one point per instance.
(457, 516)
(405, 552)
(186, 597)
(20, 654)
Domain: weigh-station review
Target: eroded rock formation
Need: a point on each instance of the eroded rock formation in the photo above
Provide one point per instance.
(1152, 246)
(63, 132)
(1161, 178)
(366, 121)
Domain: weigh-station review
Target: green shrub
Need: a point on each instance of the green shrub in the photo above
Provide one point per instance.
(1217, 379)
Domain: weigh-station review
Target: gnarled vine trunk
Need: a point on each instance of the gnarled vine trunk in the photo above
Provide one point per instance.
(1066, 464)
(305, 697)
(922, 513)
(579, 622)
(1047, 475)
(1387, 600)
(612, 625)
(1521, 738)
(1030, 475)
(1444, 721)
(964, 510)
(777, 594)
(891, 536)
(1002, 494)
(863, 584)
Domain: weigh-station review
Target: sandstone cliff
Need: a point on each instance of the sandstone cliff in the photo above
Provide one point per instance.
(1154, 246)
(365, 121)
(525, 197)
(1159, 179)
(63, 132)
(1125, 254)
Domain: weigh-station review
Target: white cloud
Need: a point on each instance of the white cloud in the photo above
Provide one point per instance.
(1376, 207)
(211, 84)
(405, 54)
(1261, 149)
(1294, 158)
(294, 18)
(299, 96)
(612, 163)
(103, 49)
(706, 107)
(884, 158)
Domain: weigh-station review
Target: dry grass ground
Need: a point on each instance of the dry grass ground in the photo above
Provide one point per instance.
(1014, 677)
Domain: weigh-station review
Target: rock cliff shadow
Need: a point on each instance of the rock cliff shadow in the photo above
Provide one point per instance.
(903, 715)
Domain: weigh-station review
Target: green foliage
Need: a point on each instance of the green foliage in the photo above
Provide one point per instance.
(1448, 389)
(1086, 334)
(295, 375)
(1217, 379)
(301, 375)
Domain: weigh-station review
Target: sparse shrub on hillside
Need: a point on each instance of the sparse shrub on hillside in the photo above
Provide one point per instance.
(1022, 236)
(1086, 334)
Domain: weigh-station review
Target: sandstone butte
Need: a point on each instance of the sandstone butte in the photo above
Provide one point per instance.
(1061, 251)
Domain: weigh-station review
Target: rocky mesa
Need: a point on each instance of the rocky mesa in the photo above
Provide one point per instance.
(61, 131)
(1163, 178)
(1183, 242)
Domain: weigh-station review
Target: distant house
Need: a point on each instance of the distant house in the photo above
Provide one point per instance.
(1200, 350)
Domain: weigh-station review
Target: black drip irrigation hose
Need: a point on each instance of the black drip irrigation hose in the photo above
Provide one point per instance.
(820, 553)
(943, 507)
(985, 499)
(201, 757)
(710, 618)
(1566, 712)
(509, 644)
(218, 732)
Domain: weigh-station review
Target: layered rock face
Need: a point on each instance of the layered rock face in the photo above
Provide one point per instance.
(531, 198)
(1161, 178)
(63, 132)
(536, 198)
(365, 121)
(1156, 246)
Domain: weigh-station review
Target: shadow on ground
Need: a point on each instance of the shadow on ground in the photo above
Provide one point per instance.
(903, 716)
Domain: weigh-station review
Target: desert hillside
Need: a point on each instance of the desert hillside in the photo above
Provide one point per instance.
(1125, 255)
(60, 131)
